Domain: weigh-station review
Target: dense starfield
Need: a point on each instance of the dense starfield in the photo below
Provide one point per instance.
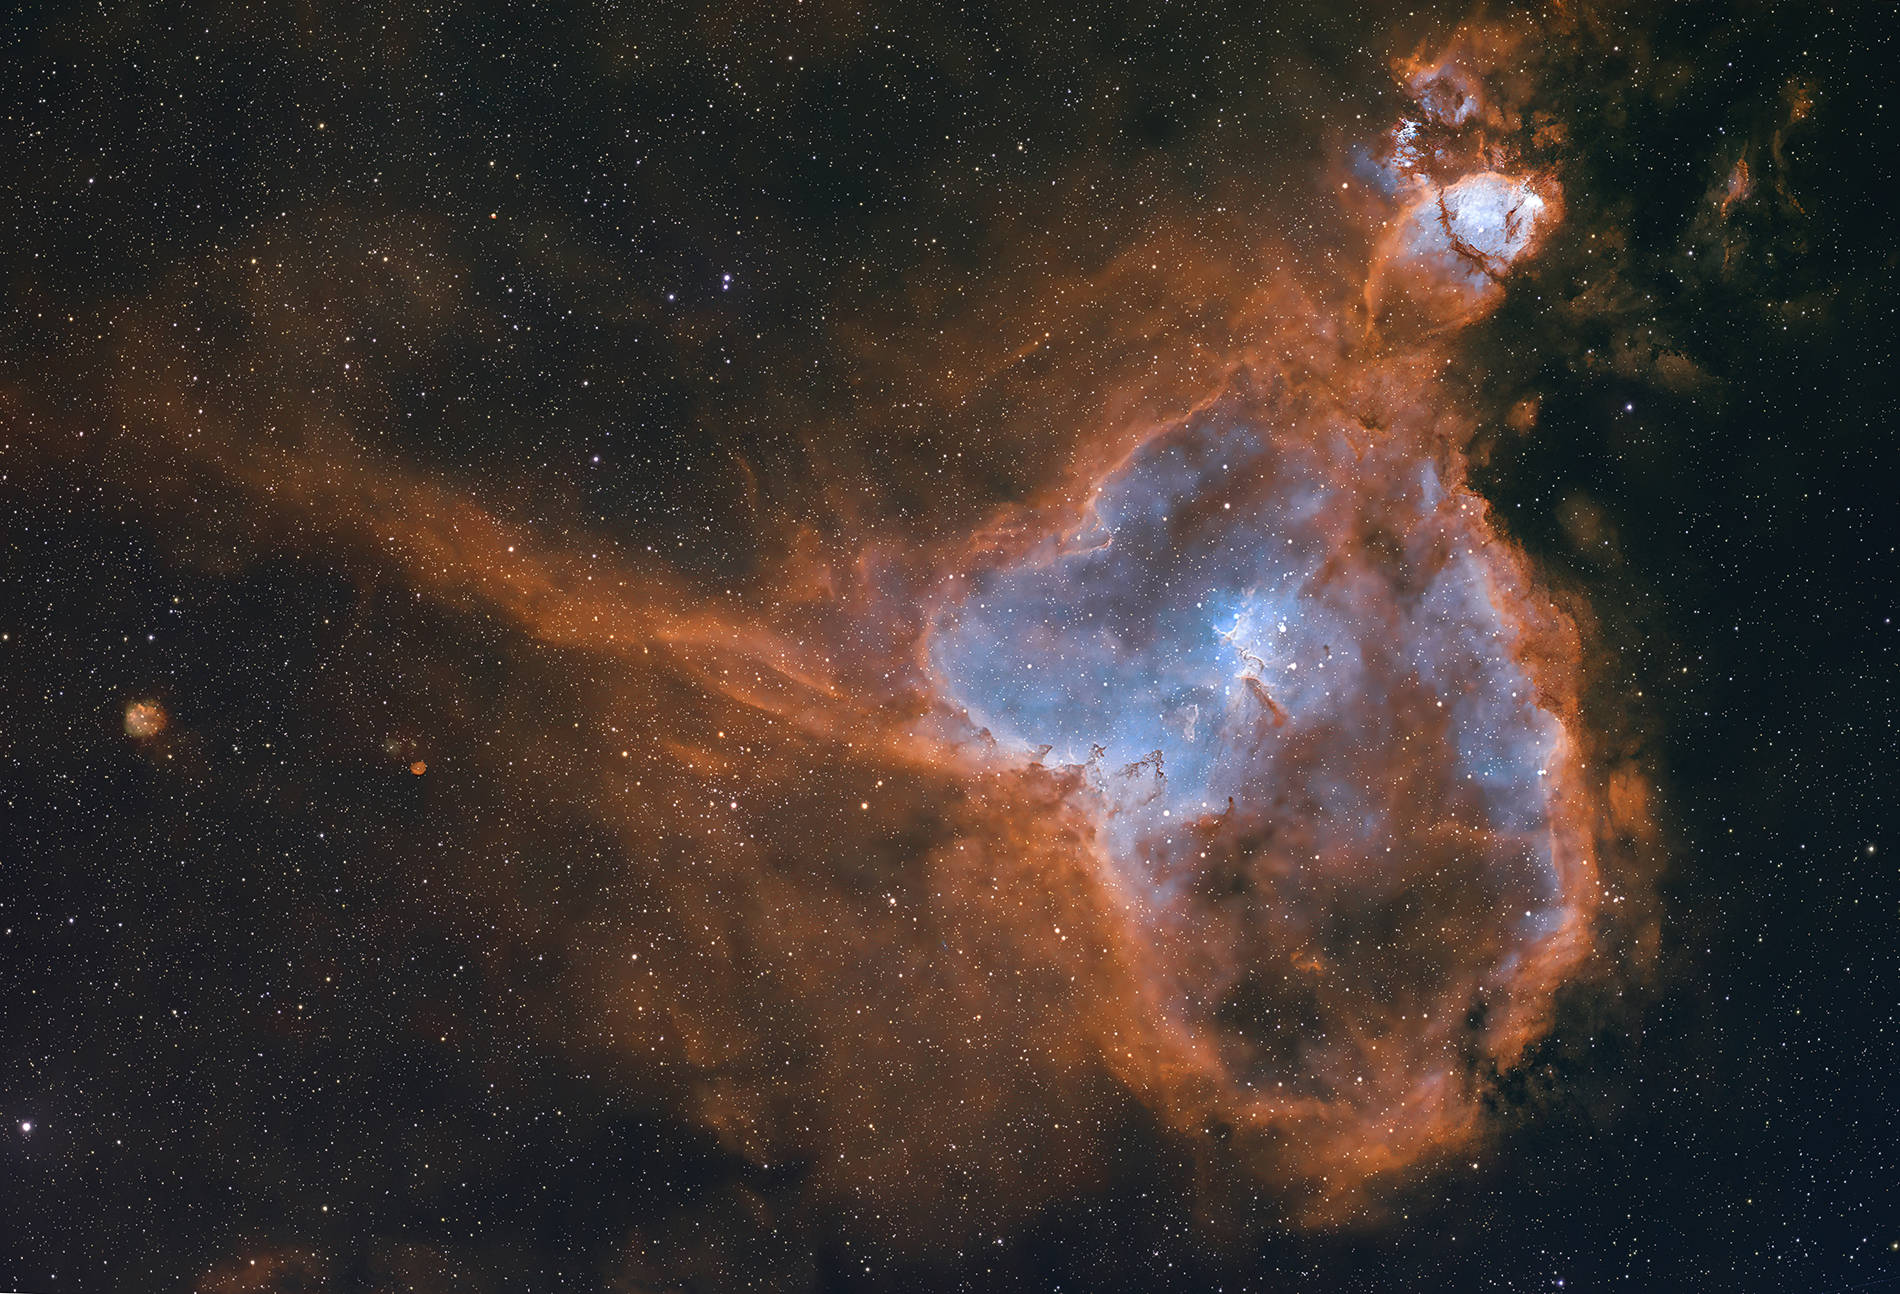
(830, 647)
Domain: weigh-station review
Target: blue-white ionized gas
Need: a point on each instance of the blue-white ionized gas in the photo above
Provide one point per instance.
(1278, 644)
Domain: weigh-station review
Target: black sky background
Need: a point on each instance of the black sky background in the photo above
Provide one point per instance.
(164, 929)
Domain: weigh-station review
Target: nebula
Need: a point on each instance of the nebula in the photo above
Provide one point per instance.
(1320, 721)
(1316, 709)
(1258, 733)
(144, 719)
(1237, 776)
(848, 647)
(1446, 258)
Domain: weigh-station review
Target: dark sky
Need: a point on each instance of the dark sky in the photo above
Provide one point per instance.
(561, 565)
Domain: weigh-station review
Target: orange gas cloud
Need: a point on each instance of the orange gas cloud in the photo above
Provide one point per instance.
(1238, 773)
(145, 719)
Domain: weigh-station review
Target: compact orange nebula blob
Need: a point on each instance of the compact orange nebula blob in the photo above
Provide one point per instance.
(145, 719)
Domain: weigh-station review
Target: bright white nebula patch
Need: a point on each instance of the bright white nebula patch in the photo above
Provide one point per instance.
(1445, 259)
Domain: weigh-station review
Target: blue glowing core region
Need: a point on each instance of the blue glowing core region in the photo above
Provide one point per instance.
(1297, 623)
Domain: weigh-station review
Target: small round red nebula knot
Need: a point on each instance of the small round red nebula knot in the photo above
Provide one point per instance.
(419, 768)
(145, 719)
